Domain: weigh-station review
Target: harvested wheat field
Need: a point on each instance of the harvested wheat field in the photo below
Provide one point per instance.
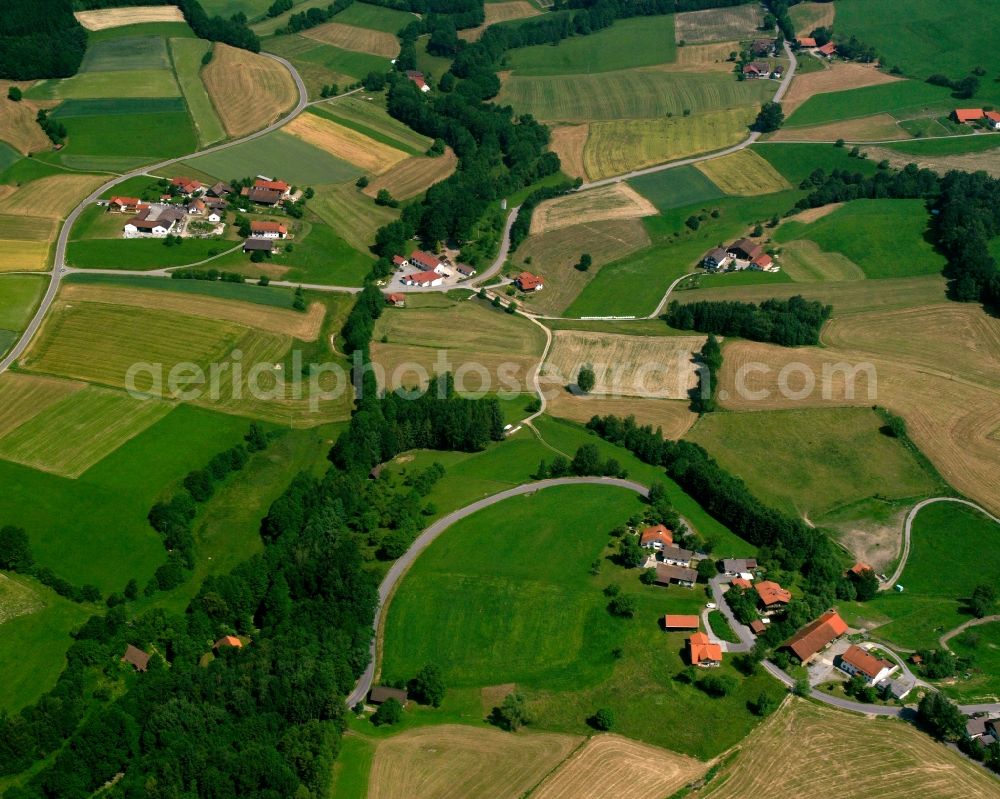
(52, 197)
(249, 91)
(808, 16)
(303, 326)
(803, 261)
(718, 24)
(116, 17)
(26, 242)
(610, 766)
(703, 58)
(451, 761)
(617, 201)
(987, 161)
(674, 417)
(743, 173)
(23, 397)
(17, 122)
(568, 141)
(861, 756)
(345, 143)
(878, 127)
(625, 366)
(838, 77)
(360, 40)
(414, 175)
(500, 12)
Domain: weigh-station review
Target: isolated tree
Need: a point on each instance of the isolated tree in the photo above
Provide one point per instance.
(718, 685)
(389, 712)
(15, 549)
(428, 686)
(763, 705)
(299, 302)
(256, 438)
(630, 554)
(770, 118)
(361, 182)
(131, 590)
(623, 606)
(707, 569)
(982, 600)
(586, 378)
(585, 262)
(802, 687)
(648, 576)
(602, 720)
(385, 198)
(14, 93)
(512, 713)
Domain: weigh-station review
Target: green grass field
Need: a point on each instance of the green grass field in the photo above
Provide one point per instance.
(363, 15)
(797, 161)
(981, 645)
(226, 8)
(123, 140)
(278, 154)
(371, 119)
(126, 54)
(187, 54)
(886, 238)
(636, 42)
(629, 94)
(271, 296)
(336, 65)
(137, 83)
(118, 106)
(923, 36)
(321, 256)
(166, 30)
(141, 253)
(523, 608)
(956, 145)
(953, 549)
(267, 26)
(19, 296)
(811, 462)
(898, 98)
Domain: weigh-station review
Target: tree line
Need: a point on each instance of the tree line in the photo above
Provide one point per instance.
(791, 323)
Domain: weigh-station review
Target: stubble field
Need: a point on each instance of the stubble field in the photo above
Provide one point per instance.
(718, 24)
(342, 142)
(361, 40)
(743, 173)
(413, 176)
(617, 201)
(104, 18)
(249, 91)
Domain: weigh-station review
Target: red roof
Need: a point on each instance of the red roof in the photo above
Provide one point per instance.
(395, 298)
(817, 634)
(274, 185)
(701, 649)
(993, 115)
(424, 259)
(125, 200)
(657, 532)
(757, 626)
(806, 41)
(828, 49)
(187, 185)
(398, 260)
(864, 662)
(674, 622)
(267, 227)
(860, 568)
(528, 281)
(229, 640)
(740, 582)
(772, 593)
(968, 114)
(424, 277)
(763, 260)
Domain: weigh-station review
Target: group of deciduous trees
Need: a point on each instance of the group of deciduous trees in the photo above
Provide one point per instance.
(791, 323)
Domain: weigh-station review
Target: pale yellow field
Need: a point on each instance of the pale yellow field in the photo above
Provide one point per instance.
(343, 142)
(859, 757)
(249, 91)
(452, 761)
(673, 417)
(352, 215)
(360, 40)
(803, 261)
(500, 12)
(839, 76)
(568, 142)
(703, 58)
(303, 326)
(555, 253)
(17, 255)
(809, 16)
(115, 17)
(52, 197)
(620, 146)
(17, 122)
(413, 176)
(625, 366)
(987, 161)
(879, 127)
(616, 201)
(22, 397)
(718, 24)
(609, 767)
(743, 173)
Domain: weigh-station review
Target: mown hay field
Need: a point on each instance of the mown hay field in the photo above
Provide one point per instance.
(810, 15)
(837, 77)
(615, 201)
(136, 83)
(23, 397)
(126, 53)
(104, 18)
(898, 97)
(25, 242)
(17, 123)
(413, 176)
(614, 148)
(626, 366)
(877, 128)
(809, 462)
(803, 261)
(719, 24)
(366, 115)
(704, 58)
(631, 94)
(249, 91)
(379, 18)
(555, 254)
(361, 40)
(743, 173)
(859, 755)
(673, 417)
(52, 197)
(568, 142)
(344, 143)
(70, 436)
(352, 215)
(500, 12)
(612, 766)
(453, 761)
(988, 161)
(187, 55)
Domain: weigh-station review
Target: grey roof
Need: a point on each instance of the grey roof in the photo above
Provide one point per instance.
(676, 553)
(665, 573)
(265, 245)
(382, 692)
(737, 565)
(901, 686)
(266, 196)
(974, 727)
(718, 255)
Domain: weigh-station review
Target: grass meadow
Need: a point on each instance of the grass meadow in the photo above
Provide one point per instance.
(125, 54)
(629, 43)
(812, 462)
(141, 253)
(957, 145)
(886, 238)
(19, 296)
(322, 64)
(120, 141)
(797, 161)
(523, 608)
(321, 256)
(271, 296)
(981, 645)
(350, 214)
(676, 188)
(897, 98)
(952, 550)
(135, 83)
(363, 15)
(187, 55)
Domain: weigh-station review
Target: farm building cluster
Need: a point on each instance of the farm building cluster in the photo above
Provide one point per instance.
(977, 116)
(701, 650)
(425, 270)
(672, 563)
(741, 254)
(827, 50)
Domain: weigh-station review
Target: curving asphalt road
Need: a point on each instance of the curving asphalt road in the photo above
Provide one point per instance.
(424, 540)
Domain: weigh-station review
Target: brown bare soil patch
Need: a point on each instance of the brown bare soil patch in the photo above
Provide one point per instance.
(414, 175)
(701, 58)
(879, 127)
(360, 40)
(840, 75)
(617, 201)
(116, 17)
(345, 143)
(52, 197)
(303, 326)
(17, 122)
(452, 761)
(875, 543)
(568, 142)
(987, 161)
(673, 416)
(610, 766)
(812, 214)
(500, 12)
(249, 91)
